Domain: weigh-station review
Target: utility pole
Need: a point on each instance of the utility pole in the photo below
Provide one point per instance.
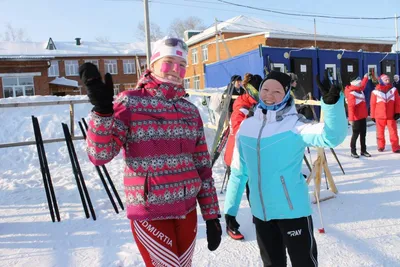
(397, 32)
(315, 34)
(216, 39)
(147, 31)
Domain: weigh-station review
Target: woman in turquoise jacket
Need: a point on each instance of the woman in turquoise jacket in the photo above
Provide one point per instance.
(268, 154)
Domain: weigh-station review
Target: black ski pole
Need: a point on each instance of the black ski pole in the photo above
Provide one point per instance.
(326, 180)
(46, 168)
(103, 167)
(112, 186)
(334, 154)
(307, 163)
(223, 182)
(101, 175)
(74, 170)
(78, 168)
(42, 170)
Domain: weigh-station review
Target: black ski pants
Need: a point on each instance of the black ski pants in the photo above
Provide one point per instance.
(359, 129)
(295, 235)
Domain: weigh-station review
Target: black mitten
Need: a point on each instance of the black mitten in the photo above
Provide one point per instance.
(396, 116)
(330, 93)
(100, 94)
(214, 233)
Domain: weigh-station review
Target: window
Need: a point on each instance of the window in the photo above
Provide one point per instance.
(129, 66)
(93, 61)
(196, 82)
(71, 68)
(278, 67)
(54, 70)
(111, 66)
(194, 56)
(186, 83)
(204, 52)
(373, 70)
(116, 89)
(332, 69)
(18, 86)
(143, 64)
(129, 86)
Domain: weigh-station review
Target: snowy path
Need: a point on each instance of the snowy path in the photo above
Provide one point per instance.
(362, 223)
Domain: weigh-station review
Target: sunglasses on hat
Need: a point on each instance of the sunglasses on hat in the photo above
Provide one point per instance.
(172, 42)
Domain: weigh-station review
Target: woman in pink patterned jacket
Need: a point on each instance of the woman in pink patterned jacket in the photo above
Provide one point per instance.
(167, 162)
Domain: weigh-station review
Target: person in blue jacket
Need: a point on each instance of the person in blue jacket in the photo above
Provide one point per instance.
(268, 154)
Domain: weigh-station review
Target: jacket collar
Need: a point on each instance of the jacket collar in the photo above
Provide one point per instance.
(154, 87)
(277, 115)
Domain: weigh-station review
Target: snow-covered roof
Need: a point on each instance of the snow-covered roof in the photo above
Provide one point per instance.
(70, 49)
(251, 25)
(243, 24)
(327, 38)
(64, 81)
(21, 57)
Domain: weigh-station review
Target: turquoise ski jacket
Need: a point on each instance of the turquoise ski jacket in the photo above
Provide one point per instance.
(269, 152)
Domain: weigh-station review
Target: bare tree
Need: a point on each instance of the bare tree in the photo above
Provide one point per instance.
(13, 34)
(102, 39)
(179, 26)
(155, 32)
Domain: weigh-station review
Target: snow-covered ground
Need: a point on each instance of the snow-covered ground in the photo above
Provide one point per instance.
(362, 223)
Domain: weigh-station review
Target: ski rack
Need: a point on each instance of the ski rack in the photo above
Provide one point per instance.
(103, 167)
(80, 181)
(44, 168)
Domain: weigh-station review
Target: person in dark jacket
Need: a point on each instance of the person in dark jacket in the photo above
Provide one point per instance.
(236, 82)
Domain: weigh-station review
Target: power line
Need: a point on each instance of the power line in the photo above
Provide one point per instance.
(307, 15)
(227, 10)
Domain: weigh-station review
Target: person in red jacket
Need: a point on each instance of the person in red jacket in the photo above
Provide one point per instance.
(167, 168)
(385, 110)
(358, 113)
(242, 109)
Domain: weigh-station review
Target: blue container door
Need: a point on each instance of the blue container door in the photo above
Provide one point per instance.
(349, 70)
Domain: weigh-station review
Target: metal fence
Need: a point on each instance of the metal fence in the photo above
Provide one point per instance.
(71, 104)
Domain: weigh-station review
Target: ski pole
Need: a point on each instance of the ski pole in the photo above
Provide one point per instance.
(223, 182)
(307, 163)
(103, 167)
(326, 180)
(322, 229)
(78, 168)
(101, 175)
(74, 170)
(36, 131)
(334, 154)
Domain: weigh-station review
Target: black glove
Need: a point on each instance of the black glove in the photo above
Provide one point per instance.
(330, 93)
(100, 94)
(396, 116)
(214, 233)
(372, 119)
(231, 222)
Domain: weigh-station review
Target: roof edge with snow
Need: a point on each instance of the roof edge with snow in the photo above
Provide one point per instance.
(326, 38)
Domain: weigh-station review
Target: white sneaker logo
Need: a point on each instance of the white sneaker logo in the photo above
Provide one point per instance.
(294, 233)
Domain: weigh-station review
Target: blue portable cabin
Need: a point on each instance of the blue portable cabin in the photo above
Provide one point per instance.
(304, 62)
(219, 74)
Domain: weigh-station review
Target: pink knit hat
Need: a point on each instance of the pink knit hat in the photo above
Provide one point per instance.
(169, 46)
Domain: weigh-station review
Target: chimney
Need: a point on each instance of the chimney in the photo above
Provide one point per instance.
(189, 33)
(78, 41)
